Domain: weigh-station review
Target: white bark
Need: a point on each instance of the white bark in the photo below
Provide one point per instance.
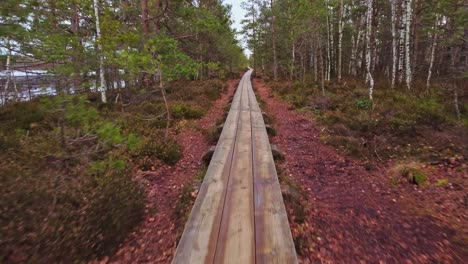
(368, 49)
(328, 45)
(394, 48)
(8, 68)
(102, 85)
(340, 39)
(402, 43)
(409, 75)
(431, 62)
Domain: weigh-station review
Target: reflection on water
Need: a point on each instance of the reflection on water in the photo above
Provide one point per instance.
(35, 83)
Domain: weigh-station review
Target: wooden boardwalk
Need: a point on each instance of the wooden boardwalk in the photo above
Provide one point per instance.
(239, 214)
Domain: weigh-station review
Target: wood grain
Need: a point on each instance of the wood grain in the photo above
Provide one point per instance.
(239, 214)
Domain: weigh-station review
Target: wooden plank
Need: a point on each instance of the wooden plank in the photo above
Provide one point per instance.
(236, 238)
(274, 243)
(198, 242)
(239, 214)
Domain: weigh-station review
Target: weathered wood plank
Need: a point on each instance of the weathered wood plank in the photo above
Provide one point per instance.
(273, 237)
(236, 237)
(198, 242)
(239, 214)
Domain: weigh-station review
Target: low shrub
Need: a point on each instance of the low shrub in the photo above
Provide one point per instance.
(179, 111)
(168, 152)
(410, 172)
(364, 104)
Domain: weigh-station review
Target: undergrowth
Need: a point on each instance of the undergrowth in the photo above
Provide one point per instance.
(395, 125)
(67, 162)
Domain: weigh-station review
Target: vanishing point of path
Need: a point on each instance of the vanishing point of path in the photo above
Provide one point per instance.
(239, 214)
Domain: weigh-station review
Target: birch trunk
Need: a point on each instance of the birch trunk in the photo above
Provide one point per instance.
(431, 62)
(368, 49)
(332, 47)
(408, 46)
(328, 45)
(8, 68)
(402, 42)
(394, 49)
(340, 39)
(293, 60)
(102, 85)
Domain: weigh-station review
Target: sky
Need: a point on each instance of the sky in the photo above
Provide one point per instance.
(237, 14)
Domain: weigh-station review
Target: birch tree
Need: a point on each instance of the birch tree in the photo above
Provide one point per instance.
(401, 43)
(432, 56)
(328, 43)
(340, 40)
(408, 15)
(368, 48)
(102, 84)
(394, 48)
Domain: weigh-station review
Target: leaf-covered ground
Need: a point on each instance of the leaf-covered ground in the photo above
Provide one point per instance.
(352, 214)
(171, 191)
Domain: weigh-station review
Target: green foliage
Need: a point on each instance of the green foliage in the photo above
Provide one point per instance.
(169, 152)
(79, 113)
(110, 133)
(180, 110)
(133, 142)
(364, 104)
(415, 175)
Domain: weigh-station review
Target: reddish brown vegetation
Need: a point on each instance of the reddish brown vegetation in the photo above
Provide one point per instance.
(155, 240)
(354, 215)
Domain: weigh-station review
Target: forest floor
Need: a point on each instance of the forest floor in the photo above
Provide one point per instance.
(349, 213)
(170, 193)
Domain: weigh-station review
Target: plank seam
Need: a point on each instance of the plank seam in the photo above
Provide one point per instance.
(230, 170)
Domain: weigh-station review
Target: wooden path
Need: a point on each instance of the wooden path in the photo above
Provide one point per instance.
(239, 214)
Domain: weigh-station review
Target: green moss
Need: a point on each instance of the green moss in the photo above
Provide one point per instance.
(414, 175)
(442, 182)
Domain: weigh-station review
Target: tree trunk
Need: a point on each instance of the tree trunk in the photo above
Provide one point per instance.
(8, 68)
(402, 42)
(322, 66)
(144, 16)
(433, 49)
(408, 45)
(102, 86)
(368, 48)
(293, 60)
(166, 105)
(273, 40)
(394, 49)
(328, 44)
(77, 45)
(156, 20)
(340, 38)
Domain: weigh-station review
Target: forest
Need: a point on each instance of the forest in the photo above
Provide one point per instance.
(108, 108)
